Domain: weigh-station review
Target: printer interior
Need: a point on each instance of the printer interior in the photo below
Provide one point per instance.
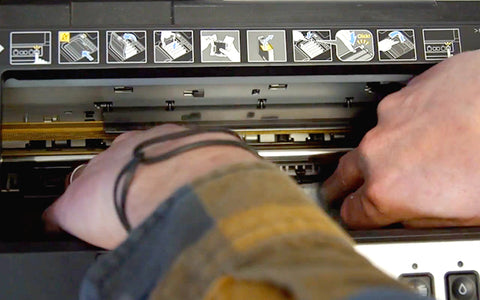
(302, 90)
(51, 124)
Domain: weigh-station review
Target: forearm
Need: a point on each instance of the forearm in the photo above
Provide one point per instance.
(244, 226)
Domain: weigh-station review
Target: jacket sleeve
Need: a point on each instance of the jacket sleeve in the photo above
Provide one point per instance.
(244, 230)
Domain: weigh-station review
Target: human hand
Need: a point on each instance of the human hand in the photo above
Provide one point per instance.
(298, 36)
(386, 44)
(419, 165)
(86, 209)
(207, 40)
(166, 35)
(232, 53)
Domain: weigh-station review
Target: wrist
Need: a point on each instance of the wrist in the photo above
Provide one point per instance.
(154, 183)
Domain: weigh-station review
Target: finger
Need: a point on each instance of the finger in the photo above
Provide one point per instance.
(346, 178)
(360, 212)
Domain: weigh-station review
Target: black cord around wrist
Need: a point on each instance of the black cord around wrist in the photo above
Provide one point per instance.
(126, 175)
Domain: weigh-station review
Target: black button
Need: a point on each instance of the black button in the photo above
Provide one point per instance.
(462, 286)
(421, 283)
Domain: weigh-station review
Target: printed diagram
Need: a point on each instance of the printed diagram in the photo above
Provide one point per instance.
(354, 45)
(173, 46)
(220, 46)
(126, 47)
(441, 43)
(78, 47)
(31, 48)
(266, 46)
(312, 45)
(396, 45)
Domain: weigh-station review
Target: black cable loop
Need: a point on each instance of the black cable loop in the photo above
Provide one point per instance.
(128, 171)
(138, 151)
(200, 144)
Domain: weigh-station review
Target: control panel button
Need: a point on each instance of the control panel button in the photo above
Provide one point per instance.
(462, 286)
(421, 283)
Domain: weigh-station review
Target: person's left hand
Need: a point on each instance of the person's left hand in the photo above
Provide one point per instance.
(86, 209)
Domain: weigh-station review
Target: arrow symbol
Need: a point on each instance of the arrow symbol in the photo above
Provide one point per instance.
(1, 48)
(400, 35)
(476, 30)
(87, 55)
(352, 37)
(129, 36)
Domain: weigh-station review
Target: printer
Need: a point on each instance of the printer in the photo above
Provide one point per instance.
(299, 81)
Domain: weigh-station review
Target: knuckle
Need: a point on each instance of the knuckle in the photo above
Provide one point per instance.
(367, 144)
(390, 101)
(342, 165)
(342, 162)
(374, 192)
(384, 106)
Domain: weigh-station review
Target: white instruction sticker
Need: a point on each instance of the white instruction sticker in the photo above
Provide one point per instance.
(441, 43)
(126, 47)
(312, 45)
(396, 45)
(220, 46)
(78, 47)
(355, 45)
(266, 46)
(173, 46)
(31, 48)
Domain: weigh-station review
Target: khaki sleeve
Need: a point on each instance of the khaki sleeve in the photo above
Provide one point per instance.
(229, 288)
(268, 241)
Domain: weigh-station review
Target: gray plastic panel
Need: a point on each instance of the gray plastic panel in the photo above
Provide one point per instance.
(28, 16)
(121, 13)
(54, 275)
(251, 13)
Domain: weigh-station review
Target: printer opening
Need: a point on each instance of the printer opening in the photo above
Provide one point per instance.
(52, 124)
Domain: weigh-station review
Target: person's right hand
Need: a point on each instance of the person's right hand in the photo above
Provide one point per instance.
(421, 164)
